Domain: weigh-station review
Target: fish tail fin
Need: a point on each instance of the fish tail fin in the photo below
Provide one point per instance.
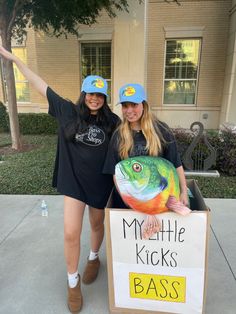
(151, 226)
(177, 207)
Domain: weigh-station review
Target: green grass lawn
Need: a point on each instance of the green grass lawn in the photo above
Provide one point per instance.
(30, 172)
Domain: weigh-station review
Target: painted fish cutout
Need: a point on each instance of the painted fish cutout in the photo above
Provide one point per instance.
(149, 185)
(145, 183)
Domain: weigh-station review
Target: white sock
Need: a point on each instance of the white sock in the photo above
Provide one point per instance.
(93, 255)
(73, 279)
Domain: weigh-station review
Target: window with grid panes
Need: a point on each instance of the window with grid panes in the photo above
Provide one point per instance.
(96, 60)
(181, 71)
(22, 84)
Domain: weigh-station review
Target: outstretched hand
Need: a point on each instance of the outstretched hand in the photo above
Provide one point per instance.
(39, 84)
(6, 54)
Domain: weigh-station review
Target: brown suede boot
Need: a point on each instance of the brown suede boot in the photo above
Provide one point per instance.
(75, 298)
(91, 271)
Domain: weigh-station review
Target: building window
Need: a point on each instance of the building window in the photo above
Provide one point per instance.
(96, 60)
(181, 71)
(22, 85)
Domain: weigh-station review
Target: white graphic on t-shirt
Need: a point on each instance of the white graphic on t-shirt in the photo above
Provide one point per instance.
(94, 136)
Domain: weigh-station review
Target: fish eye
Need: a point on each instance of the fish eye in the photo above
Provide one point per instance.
(137, 167)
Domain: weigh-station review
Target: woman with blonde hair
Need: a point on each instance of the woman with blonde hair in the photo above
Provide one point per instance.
(142, 134)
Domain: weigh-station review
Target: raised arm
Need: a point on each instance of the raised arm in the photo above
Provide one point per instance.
(39, 84)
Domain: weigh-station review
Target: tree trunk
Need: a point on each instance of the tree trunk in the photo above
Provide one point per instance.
(11, 96)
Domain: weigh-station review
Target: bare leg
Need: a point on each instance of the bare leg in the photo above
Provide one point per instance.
(73, 219)
(96, 218)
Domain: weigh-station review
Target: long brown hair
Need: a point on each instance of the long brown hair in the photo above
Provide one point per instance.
(151, 132)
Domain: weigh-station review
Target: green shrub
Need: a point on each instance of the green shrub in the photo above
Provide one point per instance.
(37, 123)
(220, 187)
(4, 120)
(226, 158)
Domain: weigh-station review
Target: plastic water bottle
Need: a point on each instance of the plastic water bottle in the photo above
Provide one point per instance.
(44, 209)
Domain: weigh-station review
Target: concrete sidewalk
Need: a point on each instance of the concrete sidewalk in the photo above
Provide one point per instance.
(32, 267)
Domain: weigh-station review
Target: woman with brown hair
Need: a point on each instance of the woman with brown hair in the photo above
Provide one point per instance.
(85, 129)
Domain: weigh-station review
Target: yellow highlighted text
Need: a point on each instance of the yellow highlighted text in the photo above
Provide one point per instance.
(157, 287)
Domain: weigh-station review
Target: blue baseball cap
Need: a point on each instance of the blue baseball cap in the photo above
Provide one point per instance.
(94, 84)
(132, 93)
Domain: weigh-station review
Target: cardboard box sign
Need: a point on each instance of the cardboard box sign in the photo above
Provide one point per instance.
(164, 274)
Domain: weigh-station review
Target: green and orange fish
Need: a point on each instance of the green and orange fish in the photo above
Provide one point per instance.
(149, 185)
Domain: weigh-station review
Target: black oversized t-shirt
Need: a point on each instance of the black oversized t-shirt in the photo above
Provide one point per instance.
(169, 152)
(79, 162)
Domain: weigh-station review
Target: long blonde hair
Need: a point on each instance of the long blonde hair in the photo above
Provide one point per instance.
(151, 132)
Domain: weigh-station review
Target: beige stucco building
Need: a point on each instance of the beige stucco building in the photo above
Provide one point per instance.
(184, 55)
